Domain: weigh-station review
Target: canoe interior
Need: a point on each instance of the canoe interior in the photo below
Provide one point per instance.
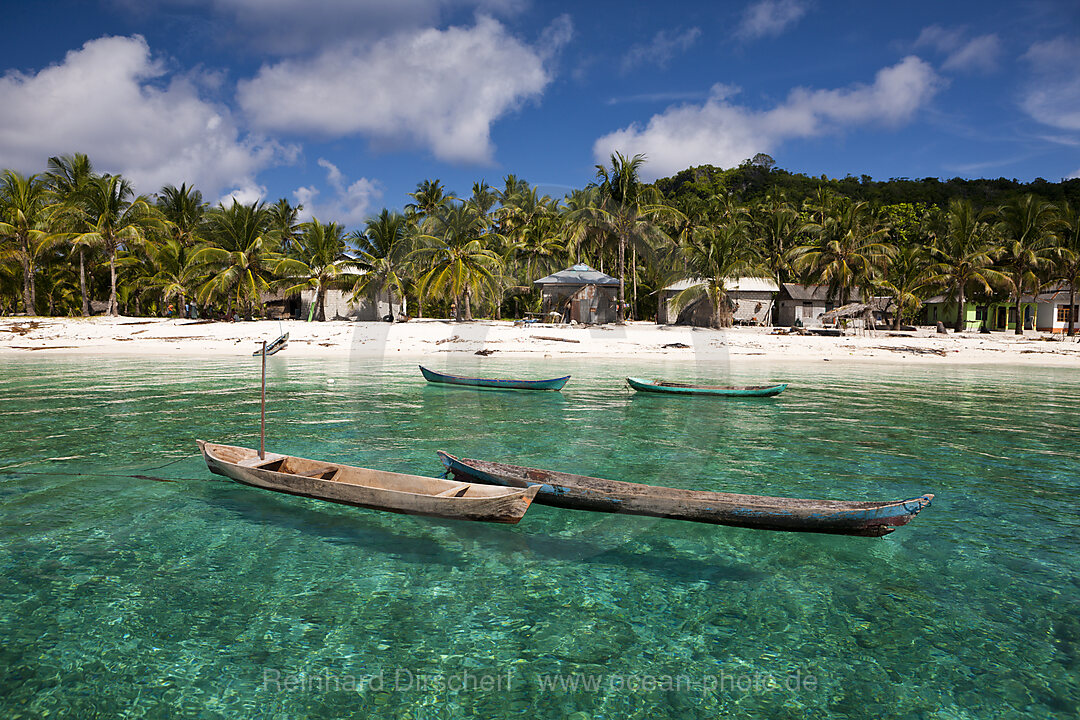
(662, 383)
(349, 475)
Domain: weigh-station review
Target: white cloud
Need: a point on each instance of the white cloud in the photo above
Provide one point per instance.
(977, 54)
(285, 27)
(941, 39)
(661, 49)
(1052, 94)
(722, 133)
(113, 101)
(439, 88)
(980, 53)
(770, 18)
(351, 203)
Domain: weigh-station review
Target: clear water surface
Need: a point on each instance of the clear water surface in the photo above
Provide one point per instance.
(136, 588)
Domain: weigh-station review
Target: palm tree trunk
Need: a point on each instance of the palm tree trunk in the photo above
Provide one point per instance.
(1072, 310)
(114, 310)
(468, 306)
(633, 295)
(320, 312)
(82, 284)
(28, 289)
(1019, 320)
(390, 300)
(959, 326)
(622, 283)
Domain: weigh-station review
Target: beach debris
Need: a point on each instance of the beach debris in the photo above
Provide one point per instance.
(913, 350)
(555, 339)
(452, 338)
(23, 328)
(678, 345)
(485, 352)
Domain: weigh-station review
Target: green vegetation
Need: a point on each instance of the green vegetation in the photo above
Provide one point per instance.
(71, 236)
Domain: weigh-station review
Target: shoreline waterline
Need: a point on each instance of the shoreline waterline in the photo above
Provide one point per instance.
(426, 338)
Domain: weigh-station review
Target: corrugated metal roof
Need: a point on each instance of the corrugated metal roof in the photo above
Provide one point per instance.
(579, 274)
(810, 292)
(745, 284)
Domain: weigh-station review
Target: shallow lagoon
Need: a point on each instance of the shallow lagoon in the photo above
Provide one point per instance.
(125, 596)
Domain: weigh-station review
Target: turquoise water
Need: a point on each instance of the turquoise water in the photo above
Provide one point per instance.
(181, 594)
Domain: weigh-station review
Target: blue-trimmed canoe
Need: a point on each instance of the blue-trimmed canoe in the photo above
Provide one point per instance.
(497, 383)
(277, 346)
(577, 492)
(672, 388)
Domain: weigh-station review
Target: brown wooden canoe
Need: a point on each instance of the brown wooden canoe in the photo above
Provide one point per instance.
(577, 492)
(375, 489)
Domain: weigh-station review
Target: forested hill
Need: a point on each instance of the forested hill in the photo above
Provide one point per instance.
(757, 178)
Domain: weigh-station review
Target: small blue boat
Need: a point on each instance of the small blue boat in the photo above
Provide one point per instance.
(496, 383)
(672, 388)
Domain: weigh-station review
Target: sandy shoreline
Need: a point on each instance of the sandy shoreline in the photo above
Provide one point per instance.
(155, 336)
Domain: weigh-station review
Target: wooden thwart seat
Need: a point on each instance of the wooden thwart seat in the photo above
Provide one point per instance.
(324, 472)
(455, 491)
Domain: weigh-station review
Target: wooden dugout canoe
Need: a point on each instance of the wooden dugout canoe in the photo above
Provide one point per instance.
(577, 492)
(673, 388)
(495, 383)
(375, 489)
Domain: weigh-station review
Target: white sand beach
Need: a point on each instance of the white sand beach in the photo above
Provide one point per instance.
(420, 338)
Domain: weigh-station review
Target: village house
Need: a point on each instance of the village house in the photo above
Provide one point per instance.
(580, 294)
(804, 304)
(752, 300)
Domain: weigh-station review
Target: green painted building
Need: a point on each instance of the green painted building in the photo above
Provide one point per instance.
(996, 316)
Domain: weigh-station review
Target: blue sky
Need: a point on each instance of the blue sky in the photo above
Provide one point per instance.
(345, 105)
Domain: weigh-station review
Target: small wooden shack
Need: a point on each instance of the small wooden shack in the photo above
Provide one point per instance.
(581, 294)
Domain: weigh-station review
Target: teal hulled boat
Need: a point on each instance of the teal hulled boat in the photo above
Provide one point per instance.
(495, 383)
(673, 388)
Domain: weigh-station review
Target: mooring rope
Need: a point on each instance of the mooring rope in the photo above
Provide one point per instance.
(9, 471)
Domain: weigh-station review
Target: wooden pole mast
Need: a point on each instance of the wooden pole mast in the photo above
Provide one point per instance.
(262, 409)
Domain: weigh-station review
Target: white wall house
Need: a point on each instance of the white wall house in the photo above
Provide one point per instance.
(1052, 311)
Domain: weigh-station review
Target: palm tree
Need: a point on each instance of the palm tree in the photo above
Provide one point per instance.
(964, 254)
(847, 251)
(317, 261)
(240, 256)
(456, 261)
(712, 257)
(1027, 231)
(23, 216)
(184, 210)
(430, 197)
(68, 177)
(114, 219)
(907, 278)
(169, 269)
(381, 251)
(778, 227)
(1067, 266)
(626, 212)
(285, 223)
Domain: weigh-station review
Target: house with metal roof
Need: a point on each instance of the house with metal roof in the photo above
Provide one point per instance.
(581, 294)
(751, 299)
(804, 304)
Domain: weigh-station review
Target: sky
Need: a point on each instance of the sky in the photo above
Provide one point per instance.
(345, 105)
